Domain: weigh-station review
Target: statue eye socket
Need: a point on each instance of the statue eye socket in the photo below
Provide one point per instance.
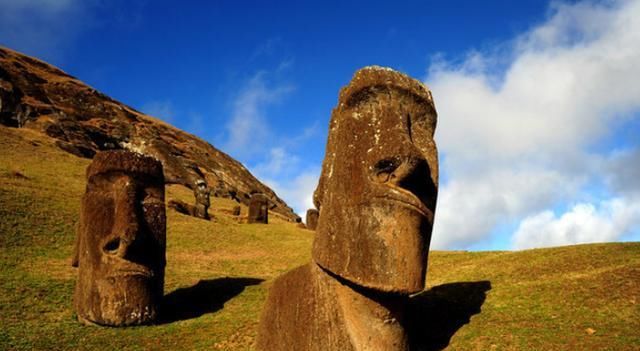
(384, 168)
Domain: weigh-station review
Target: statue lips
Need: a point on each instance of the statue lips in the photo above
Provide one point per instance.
(402, 197)
(128, 269)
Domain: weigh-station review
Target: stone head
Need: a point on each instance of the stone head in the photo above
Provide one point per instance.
(258, 208)
(122, 240)
(378, 187)
(312, 218)
(202, 192)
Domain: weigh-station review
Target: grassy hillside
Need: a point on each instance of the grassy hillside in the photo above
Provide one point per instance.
(218, 273)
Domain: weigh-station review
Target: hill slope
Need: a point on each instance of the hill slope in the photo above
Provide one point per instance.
(81, 120)
(218, 273)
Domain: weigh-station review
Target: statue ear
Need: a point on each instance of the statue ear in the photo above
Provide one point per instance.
(76, 248)
(318, 194)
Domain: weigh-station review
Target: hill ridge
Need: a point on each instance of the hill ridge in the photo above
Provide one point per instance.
(82, 121)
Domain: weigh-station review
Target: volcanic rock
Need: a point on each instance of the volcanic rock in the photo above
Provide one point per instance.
(258, 209)
(312, 218)
(83, 121)
(121, 241)
(376, 199)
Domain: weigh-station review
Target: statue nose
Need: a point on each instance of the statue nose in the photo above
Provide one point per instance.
(410, 173)
(398, 171)
(125, 226)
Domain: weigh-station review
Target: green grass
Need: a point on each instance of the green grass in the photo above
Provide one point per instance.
(571, 298)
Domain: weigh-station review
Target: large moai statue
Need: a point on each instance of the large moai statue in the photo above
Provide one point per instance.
(376, 197)
(258, 209)
(201, 192)
(121, 241)
(312, 219)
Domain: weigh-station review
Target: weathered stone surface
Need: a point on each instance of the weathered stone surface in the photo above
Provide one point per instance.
(309, 309)
(236, 210)
(302, 313)
(376, 199)
(258, 209)
(378, 186)
(121, 241)
(201, 192)
(312, 218)
(83, 121)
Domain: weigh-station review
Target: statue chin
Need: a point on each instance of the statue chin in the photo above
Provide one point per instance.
(387, 252)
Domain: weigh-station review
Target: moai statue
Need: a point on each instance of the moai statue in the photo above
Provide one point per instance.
(312, 219)
(201, 192)
(376, 197)
(121, 241)
(236, 210)
(258, 209)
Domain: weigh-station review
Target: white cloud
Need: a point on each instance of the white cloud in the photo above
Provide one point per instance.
(248, 129)
(623, 172)
(471, 205)
(278, 162)
(285, 174)
(584, 223)
(43, 28)
(297, 191)
(251, 137)
(516, 141)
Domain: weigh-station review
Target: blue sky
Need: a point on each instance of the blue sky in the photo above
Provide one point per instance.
(538, 101)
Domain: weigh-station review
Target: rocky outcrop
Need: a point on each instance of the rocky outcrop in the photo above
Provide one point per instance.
(83, 121)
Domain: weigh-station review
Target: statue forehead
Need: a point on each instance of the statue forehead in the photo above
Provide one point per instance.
(374, 80)
(125, 162)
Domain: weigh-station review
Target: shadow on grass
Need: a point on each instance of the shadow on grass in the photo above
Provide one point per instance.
(206, 296)
(435, 315)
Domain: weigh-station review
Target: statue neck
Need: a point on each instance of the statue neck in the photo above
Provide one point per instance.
(374, 321)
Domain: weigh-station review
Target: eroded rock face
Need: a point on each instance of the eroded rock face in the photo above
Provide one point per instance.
(378, 186)
(312, 218)
(201, 192)
(258, 209)
(83, 121)
(121, 241)
(376, 199)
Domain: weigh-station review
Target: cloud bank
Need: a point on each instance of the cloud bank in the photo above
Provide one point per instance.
(531, 127)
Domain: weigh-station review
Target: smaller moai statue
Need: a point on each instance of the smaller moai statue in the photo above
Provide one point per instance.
(312, 218)
(258, 209)
(236, 210)
(201, 192)
(121, 241)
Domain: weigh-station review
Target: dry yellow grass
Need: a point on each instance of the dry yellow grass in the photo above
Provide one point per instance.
(218, 273)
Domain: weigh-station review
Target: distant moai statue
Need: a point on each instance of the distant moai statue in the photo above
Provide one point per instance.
(258, 209)
(221, 189)
(312, 218)
(121, 241)
(201, 192)
(376, 199)
(236, 210)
